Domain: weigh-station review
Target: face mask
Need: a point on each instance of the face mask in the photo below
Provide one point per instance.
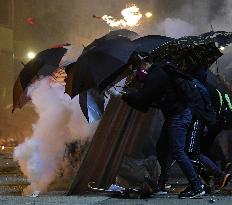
(141, 74)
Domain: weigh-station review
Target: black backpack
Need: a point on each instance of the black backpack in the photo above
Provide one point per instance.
(194, 93)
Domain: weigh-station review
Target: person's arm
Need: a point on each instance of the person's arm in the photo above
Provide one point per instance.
(152, 91)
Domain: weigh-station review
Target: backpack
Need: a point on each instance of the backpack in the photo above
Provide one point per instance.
(193, 92)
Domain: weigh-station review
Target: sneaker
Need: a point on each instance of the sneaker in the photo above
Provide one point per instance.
(191, 193)
(160, 191)
(222, 181)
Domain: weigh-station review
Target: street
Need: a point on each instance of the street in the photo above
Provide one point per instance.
(54, 199)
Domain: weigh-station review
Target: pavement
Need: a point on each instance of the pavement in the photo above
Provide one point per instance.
(105, 200)
(12, 182)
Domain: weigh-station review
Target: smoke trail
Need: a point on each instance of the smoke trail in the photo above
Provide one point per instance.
(60, 121)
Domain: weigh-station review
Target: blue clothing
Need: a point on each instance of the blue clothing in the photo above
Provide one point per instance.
(192, 148)
(160, 90)
(171, 145)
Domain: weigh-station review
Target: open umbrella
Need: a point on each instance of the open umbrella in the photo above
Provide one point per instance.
(150, 42)
(190, 52)
(112, 35)
(44, 64)
(187, 55)
(221, 38)
(99, 66)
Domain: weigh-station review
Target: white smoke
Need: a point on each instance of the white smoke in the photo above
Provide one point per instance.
(60, 121)
(224, 21)
(176, 28)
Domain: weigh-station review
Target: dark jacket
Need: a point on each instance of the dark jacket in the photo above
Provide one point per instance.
(158, 91)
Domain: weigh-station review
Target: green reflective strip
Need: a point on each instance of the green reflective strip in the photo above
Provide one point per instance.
(228, 101)
(220, 97)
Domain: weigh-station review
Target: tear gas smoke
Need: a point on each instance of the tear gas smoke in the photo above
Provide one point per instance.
(176, 28)
(60, 121)
(196, 17)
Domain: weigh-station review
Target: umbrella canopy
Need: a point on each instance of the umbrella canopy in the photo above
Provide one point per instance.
(221, 38)
(150, 42)
(44, 64)
(188, 56)
(104, 59)
(189, 52)
(99, 66)
(112, 35)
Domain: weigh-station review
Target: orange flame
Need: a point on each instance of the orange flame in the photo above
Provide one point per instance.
(131, 17)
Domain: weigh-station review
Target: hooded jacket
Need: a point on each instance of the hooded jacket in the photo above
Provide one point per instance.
(158, 91)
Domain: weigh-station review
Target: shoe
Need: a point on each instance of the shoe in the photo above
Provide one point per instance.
(190, 193)
(160, 191)
(222, 181)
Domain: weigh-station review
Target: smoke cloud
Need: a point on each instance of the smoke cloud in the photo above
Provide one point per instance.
(176, 28)
(60, 122)
(203, 14)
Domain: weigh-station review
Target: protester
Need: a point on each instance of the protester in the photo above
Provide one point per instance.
(196, 137)
(159, 90)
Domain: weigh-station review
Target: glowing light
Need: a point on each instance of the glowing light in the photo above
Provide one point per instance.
(148, 14)
(3, 147)
(131, 17)
(222, 48)
(31, 55)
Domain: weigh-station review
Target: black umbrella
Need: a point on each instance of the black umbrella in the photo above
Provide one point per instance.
(187, 55)
(112, 35)
(43, 64)
(99, 66)
(150, 42)
(190, 52)
(221, 38)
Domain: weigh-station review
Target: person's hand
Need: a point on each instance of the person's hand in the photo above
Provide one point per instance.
(114, 92)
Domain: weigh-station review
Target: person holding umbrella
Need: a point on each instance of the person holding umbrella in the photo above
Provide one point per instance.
(159, 90)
